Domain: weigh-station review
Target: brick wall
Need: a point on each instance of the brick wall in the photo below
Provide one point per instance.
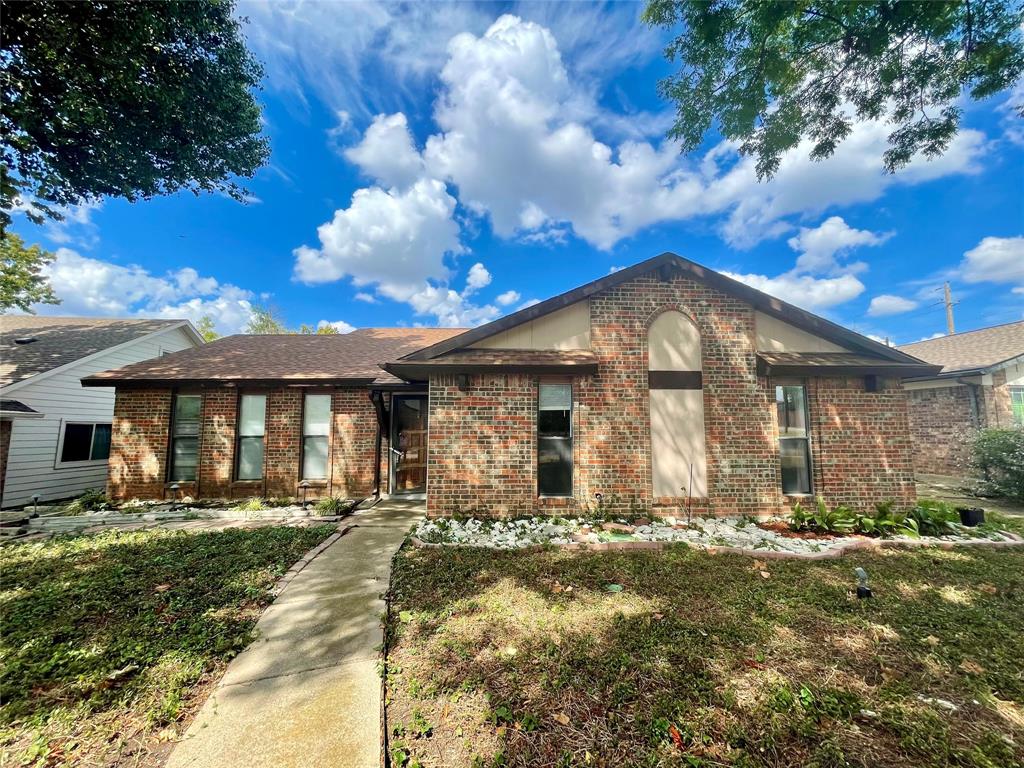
(482, 445)
(483, 440)
(138, 455)
(138, 443)
(942, 421)
(861, 443)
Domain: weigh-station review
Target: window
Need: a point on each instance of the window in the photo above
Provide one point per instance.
(794, 453)
(185, 438)
(316, 427)
(85, 442)
(554, 440)
(251, 427)
(1017, 404)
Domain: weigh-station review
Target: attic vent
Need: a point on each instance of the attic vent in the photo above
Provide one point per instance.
(25, 341)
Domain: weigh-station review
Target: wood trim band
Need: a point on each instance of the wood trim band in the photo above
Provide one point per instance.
(674, 380)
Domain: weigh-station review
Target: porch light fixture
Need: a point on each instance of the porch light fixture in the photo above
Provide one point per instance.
(304, 485)
(598, 497)
(174, 495)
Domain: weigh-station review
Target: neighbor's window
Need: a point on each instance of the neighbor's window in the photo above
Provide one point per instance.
(85, 442)
(185, 437)
(554, 440)
(251, 428)
(1017, 403)
(794, 450)
(316, 426)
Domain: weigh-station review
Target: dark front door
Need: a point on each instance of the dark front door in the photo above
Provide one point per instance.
(408, 444)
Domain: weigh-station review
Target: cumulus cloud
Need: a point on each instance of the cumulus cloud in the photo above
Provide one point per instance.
(887, 304)
(387, 152)
(366, 297)
(507, 298)
(820, 246)
(995, 260)
(90, 286)
(804, 290)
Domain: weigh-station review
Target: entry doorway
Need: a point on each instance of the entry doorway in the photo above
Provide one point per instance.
(408, 465)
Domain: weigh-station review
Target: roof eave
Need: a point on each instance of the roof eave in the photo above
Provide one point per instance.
(765, 368)
(178, 383)
(412, 371)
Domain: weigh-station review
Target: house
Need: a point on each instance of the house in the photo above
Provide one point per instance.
(55, 434)
(980, 385)
(663, 385)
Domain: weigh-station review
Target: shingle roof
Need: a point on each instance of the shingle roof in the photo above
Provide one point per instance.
(62, 340)
(578, 361)
(15, 406)
(342, 358)
(971, 350)
(837, 363)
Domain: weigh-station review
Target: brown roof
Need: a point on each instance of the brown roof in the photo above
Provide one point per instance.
(337, 358)
(15, 406)
(666, 266)
(572, 361)
(837, 363)
(971, 350)
(62, 340)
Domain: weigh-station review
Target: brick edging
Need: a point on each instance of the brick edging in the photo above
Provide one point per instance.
(852, 546)
(306, 559)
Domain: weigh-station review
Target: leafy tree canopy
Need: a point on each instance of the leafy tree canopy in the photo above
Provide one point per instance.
(320, 330)
(265, 320)
(123, 99)
(206, 329)
(770, 74)
(22, 283)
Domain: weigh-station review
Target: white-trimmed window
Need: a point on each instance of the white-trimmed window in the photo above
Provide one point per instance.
(554, 440)
(252, 422)
(794, 436)
(316, 430)
(1017, 404)
(81, 441)
(185, 438)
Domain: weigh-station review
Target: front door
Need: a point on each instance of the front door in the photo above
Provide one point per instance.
(408, 444)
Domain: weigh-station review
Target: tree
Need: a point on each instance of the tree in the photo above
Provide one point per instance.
(770, 74)
(22, 282)
(320, 330)
(206, 330)
(265, 320)
(123, 99)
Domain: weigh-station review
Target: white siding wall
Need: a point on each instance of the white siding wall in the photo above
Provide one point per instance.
(32, 463)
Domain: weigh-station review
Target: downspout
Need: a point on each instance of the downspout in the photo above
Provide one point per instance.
(973, 388)
(377, 398)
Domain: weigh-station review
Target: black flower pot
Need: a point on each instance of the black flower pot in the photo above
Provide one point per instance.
(971, 516)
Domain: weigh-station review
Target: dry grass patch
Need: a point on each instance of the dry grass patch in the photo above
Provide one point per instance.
(529, 659)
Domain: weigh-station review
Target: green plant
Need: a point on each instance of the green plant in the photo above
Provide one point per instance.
(838, 520)
(255, 504)
(933, 518)
(885, 521)
(998, 455)
(89, 501)
(333, 506)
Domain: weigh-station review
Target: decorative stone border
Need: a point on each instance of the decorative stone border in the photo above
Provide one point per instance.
(855, 545)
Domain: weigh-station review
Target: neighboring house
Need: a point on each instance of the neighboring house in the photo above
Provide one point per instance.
(662, 381)
(55, 434)
(981, 385)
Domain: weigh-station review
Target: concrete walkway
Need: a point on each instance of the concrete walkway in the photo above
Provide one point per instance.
(307, 691)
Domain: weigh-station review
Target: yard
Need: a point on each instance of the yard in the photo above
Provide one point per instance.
(110, 642)
(538, 658)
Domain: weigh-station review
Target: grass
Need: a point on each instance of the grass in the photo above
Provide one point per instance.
(110, 642)
(529, 659)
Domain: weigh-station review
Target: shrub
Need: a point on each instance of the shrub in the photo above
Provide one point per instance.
(934, 518)
(998, 455)
(89, 501)
(255, 504)
(333, 506)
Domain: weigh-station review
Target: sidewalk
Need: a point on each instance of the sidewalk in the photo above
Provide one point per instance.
(306, 693)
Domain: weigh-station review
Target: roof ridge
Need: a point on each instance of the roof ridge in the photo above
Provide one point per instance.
(958, 334)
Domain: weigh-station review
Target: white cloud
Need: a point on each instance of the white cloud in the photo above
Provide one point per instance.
(995, 260)
(477, 278)
(90, 286)
(819, 247)
(887, 304)
(396, 240)
(366, 297)
(507, 298)
(386, 152)
(804, 290)
(528, 303)
(339, 325)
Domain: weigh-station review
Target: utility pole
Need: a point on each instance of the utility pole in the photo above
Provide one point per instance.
(948, 297)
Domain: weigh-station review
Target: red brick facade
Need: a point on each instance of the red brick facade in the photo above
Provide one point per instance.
(483, 437)
(142, 421)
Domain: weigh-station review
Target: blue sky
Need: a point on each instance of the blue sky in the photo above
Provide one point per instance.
(443, 164)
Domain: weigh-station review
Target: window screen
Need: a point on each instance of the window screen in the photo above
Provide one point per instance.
(185, 438)
(554, 440)
(316, 429)
(251, 427)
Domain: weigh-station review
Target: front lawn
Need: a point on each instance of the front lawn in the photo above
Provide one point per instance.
(110, 642)
(539, 659)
